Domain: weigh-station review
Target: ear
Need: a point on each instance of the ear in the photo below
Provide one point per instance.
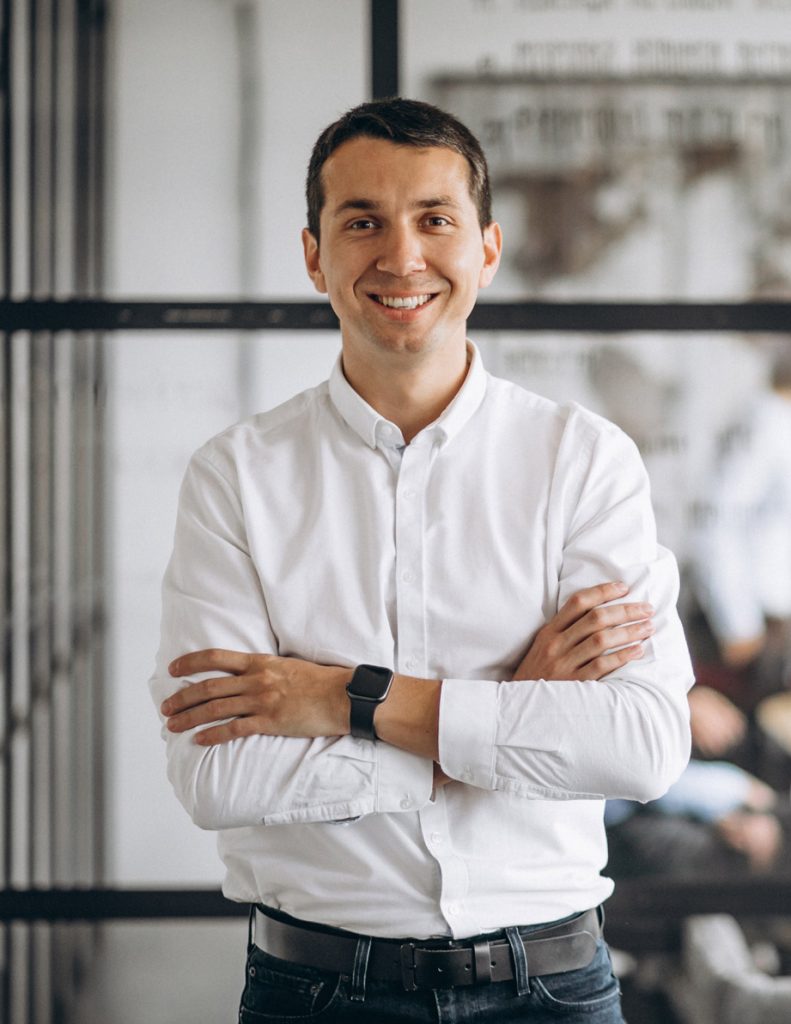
(492, 250)
(310, 246)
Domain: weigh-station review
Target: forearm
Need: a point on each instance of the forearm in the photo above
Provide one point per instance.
(269, 780)
(236, 771)
(563, 740)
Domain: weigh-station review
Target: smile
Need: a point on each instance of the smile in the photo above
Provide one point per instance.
(403, 302)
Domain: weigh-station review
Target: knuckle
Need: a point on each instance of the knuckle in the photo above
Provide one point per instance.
(598, 617)
(600, 642)
(211, 688)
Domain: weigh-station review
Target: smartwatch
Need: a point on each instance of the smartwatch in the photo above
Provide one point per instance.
(369, 686)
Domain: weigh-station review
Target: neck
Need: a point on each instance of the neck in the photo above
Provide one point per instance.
(409, 394)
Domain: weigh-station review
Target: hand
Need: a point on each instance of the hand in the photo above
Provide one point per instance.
(758, 836)
(575, 641)
(716, 723)
(263, 694)
(739, 653)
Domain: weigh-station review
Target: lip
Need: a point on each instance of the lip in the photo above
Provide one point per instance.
(401, 314)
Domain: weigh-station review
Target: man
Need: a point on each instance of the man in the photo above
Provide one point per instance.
(426, 845)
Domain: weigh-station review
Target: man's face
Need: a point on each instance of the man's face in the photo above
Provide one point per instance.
(402, 255)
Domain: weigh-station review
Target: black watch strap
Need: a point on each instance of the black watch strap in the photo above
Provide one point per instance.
(368, 688)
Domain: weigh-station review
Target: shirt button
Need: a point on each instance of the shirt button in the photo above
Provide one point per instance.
(406, 802)
(411, 664)
(407, 576)
(436, 838)
(409, 494)
(453, 909)
(466, 771)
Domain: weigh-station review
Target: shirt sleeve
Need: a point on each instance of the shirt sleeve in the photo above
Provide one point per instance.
(628, 734)
(212, 598)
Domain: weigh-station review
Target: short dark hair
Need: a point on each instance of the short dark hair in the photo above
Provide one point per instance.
(405, 123)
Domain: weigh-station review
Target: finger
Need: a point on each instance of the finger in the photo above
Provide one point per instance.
(199, 693)
(214, 659)
(607, 639)
(213, 711)
(607, 617)
(228, 731)
(607, 663)
(581, 602)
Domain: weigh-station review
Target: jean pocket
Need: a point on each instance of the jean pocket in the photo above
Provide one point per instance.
(587, 990)
(278, 990)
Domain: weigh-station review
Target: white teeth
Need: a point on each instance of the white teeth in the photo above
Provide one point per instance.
(410, 302)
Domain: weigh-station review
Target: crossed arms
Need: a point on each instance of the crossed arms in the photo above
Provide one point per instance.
(274, 696)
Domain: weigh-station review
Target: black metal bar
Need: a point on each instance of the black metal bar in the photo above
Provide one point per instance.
(384, 48)
(584, 317)
(647, 914)
(643, 915)
(112, 904)
(650, 901)
(6, 655)
(97, 315)
(619, 317)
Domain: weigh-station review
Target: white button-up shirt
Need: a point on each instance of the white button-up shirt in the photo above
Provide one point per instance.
(314, 531)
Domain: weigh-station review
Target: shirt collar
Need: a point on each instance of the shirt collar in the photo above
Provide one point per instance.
(377, 431)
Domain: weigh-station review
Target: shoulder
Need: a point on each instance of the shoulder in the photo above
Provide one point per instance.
(569, 423)
(257, 438)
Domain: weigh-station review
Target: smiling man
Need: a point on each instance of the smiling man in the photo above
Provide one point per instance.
(416, 628)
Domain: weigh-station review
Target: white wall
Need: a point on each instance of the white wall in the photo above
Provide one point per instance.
(176, 231)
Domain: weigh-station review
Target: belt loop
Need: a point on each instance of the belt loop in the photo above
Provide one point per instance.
(360, 968)
(482, 955)
(519, 956)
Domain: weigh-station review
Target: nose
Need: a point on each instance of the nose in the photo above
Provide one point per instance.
(401, 253)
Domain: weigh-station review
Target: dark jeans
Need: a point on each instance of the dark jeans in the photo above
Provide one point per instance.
(279, 991)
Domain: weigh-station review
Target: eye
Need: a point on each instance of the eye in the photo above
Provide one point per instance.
(362, 224)
(437, 220)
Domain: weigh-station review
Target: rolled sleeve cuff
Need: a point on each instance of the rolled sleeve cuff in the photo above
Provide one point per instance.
(467, 730)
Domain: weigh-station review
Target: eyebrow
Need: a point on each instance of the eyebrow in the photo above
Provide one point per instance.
(371, 205)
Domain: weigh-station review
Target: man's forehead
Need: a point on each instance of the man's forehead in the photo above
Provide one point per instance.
(361, 168)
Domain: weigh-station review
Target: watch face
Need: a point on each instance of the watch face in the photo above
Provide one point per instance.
(370, 682)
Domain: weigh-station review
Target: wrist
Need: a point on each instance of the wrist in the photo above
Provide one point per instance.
(341, 677)
(409, 718)
(368, 689)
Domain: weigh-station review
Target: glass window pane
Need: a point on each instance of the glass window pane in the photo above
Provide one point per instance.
(632, 157)
(216, 109)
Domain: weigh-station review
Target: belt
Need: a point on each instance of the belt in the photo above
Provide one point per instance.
(431, 963)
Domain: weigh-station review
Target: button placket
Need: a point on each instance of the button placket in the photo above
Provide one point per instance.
(409, 530)
(453, 877)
